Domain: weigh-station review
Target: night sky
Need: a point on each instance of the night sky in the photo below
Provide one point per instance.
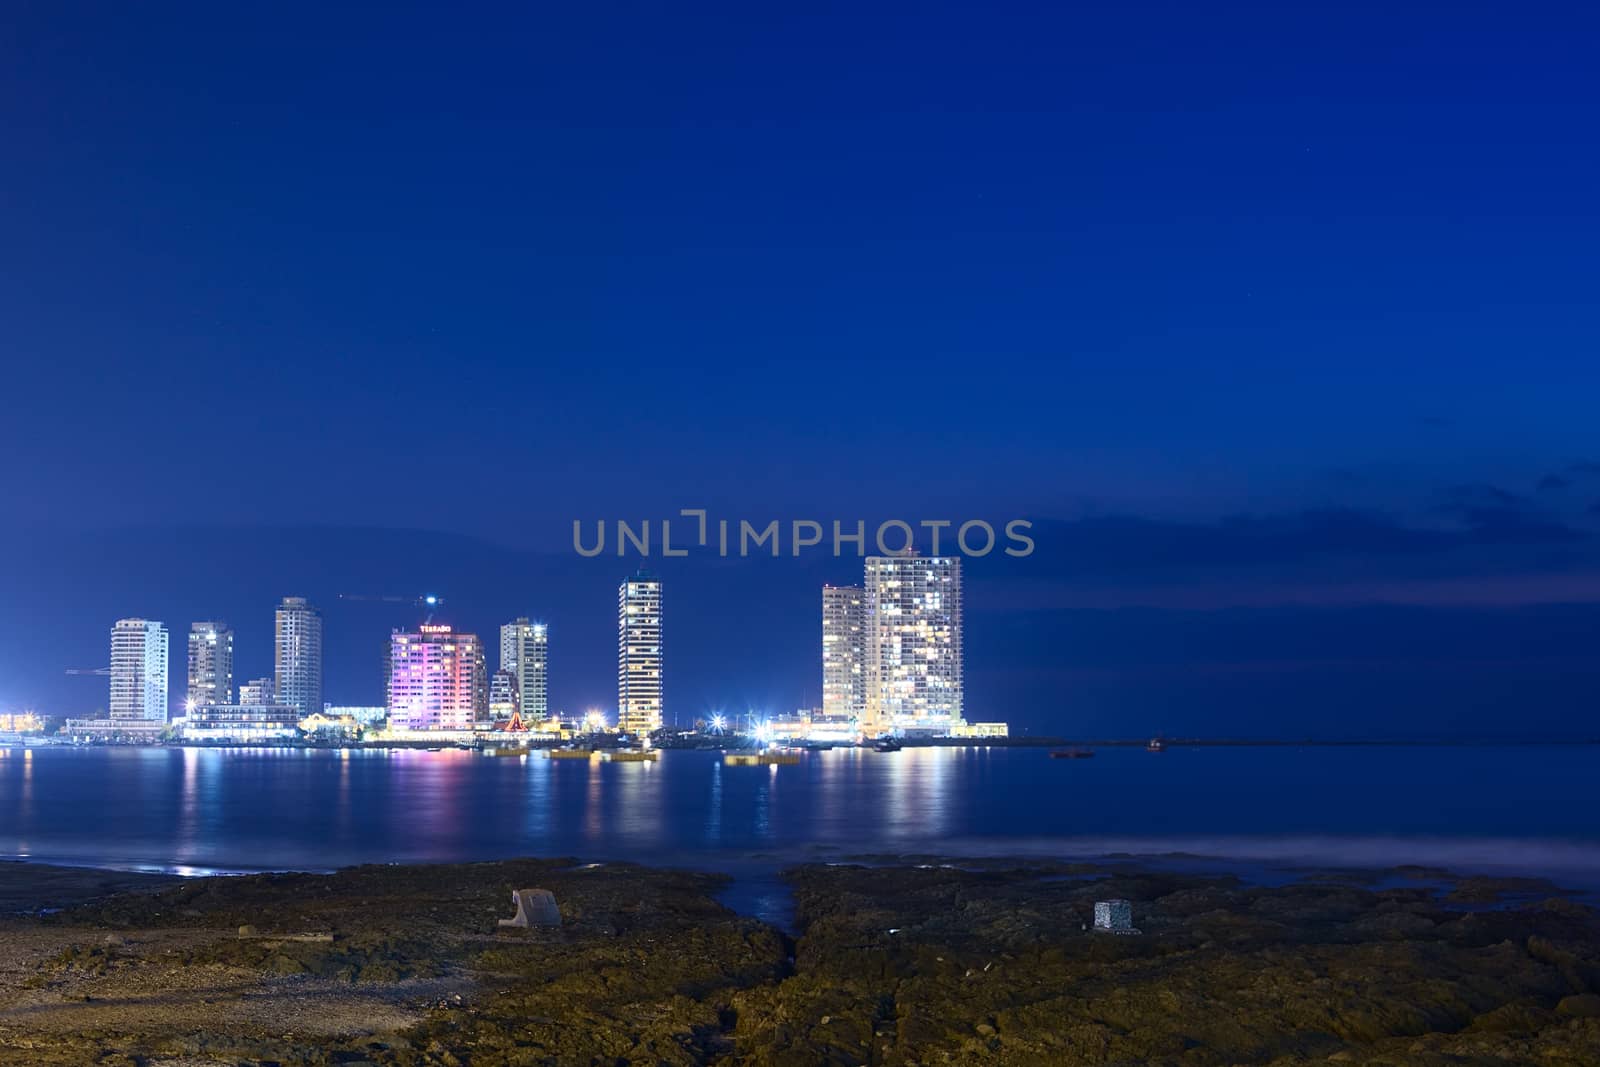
(1278, 321)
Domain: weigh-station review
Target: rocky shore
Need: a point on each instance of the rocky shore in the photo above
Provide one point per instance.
(895, 964)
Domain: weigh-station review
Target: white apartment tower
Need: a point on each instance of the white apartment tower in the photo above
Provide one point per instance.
(138, 671)
(844, 668)
(913, 643)
(297, 655)
(210, 665)
(639, 654)
(525, 654)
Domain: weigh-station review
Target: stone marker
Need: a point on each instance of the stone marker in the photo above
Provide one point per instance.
(1113, 917)
(535, 907)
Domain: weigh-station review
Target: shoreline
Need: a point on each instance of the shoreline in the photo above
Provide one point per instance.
(1260, 859)
(30, 886)
(27, 887)
(739, 744)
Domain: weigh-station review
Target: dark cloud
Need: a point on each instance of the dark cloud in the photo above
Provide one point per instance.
(1334, 671)
(1492, 514)
(1481, 555)
(1127, 541)
(1552, 482)
(1584, 467)
(1477, 496)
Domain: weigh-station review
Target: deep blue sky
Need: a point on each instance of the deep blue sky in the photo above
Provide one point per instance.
(1280, 320)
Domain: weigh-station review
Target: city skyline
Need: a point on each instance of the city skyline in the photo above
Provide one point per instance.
(890, 657)
(1285, 349)
(1128, 674)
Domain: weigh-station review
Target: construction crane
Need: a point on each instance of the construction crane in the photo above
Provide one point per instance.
(427, 602)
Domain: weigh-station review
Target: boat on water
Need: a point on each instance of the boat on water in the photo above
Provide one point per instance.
(1072, 753)
(761, 759)
(1156, 745)
(886, 744)
(571, 753)
(633, 755)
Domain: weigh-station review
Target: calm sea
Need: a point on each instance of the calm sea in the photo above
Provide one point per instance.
(1514, 809)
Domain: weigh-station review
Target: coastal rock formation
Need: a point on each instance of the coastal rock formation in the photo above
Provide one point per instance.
(961, 966)
(894, 965)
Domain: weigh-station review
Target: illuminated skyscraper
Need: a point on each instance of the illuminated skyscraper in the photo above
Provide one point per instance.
(525, 653)
(913, 645)
(210, 665)
(639, 654)
(297, 655)
(138, 671)
(436, 679)
(844, 668)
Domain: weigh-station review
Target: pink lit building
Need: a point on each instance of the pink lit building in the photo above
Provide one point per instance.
(436, 679)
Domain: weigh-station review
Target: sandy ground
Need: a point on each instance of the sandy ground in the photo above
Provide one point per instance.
(137, 994)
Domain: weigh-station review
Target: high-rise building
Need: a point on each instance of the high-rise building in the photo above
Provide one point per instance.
(844, 668)
(258, 691)
(210, 665)
(436, 679)
(913, 645)
(297, 655)
(525, 653)
(138, 671)
(639, 654)
(504, 700)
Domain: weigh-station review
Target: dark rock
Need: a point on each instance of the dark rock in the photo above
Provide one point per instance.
(1582, 1006)
(985, 966)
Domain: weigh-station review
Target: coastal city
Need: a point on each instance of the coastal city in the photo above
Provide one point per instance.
(1096, 508)
(891, 663)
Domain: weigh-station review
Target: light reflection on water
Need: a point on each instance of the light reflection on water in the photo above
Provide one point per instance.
(1519, 808)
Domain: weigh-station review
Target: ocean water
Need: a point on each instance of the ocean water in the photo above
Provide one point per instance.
(1513, 809)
